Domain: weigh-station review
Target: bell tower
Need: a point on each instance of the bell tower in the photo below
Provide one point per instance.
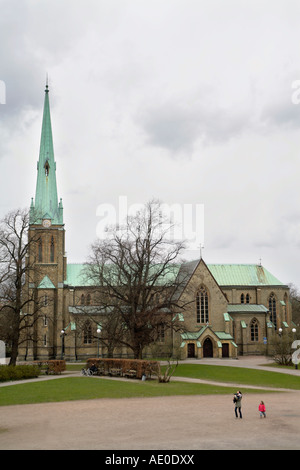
(48, 252)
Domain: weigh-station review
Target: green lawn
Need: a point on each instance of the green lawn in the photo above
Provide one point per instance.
(86, 388)
(240, 375)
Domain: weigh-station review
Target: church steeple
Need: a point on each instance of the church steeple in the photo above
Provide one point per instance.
(46, 206)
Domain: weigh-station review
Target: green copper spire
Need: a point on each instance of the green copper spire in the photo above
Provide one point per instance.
(46, 204)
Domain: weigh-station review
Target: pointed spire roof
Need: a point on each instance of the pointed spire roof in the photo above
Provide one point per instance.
(46, 204)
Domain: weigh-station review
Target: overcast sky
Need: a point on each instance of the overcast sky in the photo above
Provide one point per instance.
(187, 101)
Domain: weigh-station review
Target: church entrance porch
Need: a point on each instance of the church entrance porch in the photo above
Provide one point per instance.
(206, 343)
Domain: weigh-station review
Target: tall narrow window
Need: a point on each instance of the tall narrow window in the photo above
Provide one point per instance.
(247, 299)
(88, 299)
(82, 299)
(242, 299)
(286, 306)
(161, 333)
(47, 168)
(272, 310)
(52, 250)
(254, 330)
(40, 251)
(202, 306)
(87, 333)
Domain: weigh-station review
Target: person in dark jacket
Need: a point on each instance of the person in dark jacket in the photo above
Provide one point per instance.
(237, 400)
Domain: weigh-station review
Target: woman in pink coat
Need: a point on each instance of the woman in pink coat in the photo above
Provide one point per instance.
(262, 409)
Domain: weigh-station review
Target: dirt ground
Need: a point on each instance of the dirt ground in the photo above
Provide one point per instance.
(168, 423)
(195, 422)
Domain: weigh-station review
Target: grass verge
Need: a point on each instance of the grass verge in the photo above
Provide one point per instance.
(87, 388)
(239, 375)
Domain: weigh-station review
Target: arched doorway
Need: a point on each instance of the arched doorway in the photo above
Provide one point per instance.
(207, 348)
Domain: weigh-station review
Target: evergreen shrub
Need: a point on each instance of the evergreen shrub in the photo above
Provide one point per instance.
(18, 372)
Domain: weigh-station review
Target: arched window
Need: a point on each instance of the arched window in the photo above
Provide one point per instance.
(254, 330)
(242, 299)
(202, 305)
(87, 333)
(82, 299)
(52, 250)
(272, 310)
(247, 298)
(88, 299)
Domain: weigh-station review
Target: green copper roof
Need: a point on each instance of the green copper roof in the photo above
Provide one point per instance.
(246, 308)
(193, 335)
(242, 275)
(76, 276)
(46, 283)
(224, 274)
(46, 204)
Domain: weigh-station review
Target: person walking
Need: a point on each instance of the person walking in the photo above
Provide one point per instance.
(262, 410)
(237, 400)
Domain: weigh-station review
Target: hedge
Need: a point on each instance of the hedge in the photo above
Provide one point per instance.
(141, 367)
(18, 372)
(52, 366)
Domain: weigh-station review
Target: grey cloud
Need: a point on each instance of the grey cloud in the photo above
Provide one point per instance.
(282, 113)
(34, 37)
(176, 126)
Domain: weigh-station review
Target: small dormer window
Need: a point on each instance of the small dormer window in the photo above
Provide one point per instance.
(47, 168)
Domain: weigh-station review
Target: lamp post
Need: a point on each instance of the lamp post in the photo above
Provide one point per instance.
(62, 335)
(294, 345)
(98, 333)
(280, 336)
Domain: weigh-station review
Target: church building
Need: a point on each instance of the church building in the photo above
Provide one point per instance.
(232, 309)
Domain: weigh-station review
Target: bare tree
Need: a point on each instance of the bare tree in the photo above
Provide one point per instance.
(280, 348)
(295, 302)
(136, 270)
(15, 271)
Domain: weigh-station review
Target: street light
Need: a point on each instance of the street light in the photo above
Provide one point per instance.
(294, 346)
(98, 333)
(62, 335)
(281, 349)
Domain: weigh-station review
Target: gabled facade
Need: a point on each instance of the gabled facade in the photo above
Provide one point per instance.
(236, 310)
(230, 309)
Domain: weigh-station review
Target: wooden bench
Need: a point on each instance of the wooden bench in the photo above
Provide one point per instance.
(130, 373)
(115, 372)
